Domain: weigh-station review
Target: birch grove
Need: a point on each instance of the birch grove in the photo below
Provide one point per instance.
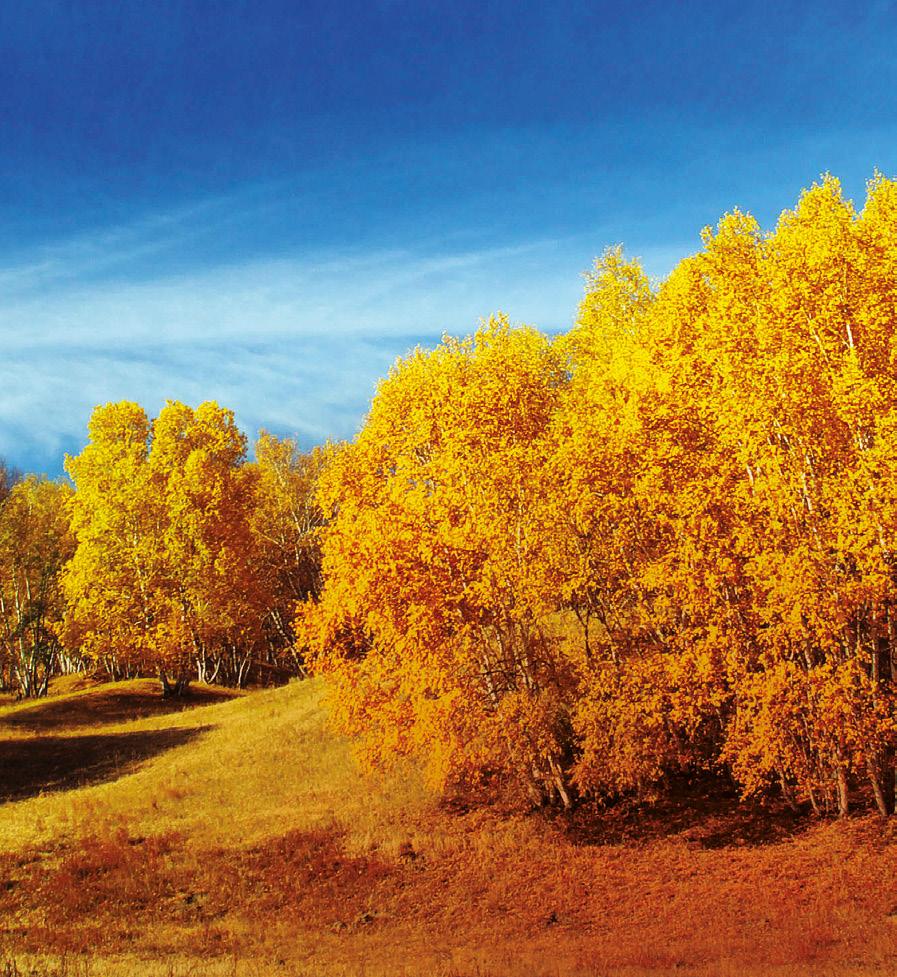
(658, 544)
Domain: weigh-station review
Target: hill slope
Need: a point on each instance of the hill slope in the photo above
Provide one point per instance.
(236, 836)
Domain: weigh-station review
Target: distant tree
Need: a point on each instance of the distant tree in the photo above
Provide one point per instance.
(286, 523)
(166, 573)
(35, 542)
(115, 586)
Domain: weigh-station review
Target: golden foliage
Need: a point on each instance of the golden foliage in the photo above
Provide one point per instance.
(700, 476)
(432, 622)
(166, 571)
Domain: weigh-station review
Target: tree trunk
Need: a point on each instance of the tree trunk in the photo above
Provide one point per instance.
(176, 688)
(841, 783)
(882, 797)
(814, 803)
(882, 767)
(243, 671)
(787, 792)
(559, 784)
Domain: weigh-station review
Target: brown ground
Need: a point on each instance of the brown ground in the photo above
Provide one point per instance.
(238, 838)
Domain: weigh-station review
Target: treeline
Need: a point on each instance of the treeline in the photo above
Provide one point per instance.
(172, 555)
(660, 544)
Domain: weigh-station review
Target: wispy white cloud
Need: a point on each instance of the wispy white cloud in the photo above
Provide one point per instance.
(314, 389)
(380, 294)
(293, 343)
(105, 250)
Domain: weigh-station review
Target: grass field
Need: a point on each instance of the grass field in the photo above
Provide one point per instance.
(233, 835)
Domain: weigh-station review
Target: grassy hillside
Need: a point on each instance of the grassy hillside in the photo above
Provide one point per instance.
(235, 836)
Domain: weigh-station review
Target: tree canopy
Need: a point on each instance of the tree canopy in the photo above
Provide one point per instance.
(661, 542)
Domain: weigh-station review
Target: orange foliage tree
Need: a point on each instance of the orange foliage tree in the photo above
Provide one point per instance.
(633, 543)
(432, 623)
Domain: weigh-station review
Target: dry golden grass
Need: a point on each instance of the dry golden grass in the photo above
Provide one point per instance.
(237, 837)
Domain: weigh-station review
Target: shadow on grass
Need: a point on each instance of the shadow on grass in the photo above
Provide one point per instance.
(706, 814)
(110, 705)
(54, 763)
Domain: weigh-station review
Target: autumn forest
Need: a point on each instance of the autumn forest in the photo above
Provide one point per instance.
(549, 568)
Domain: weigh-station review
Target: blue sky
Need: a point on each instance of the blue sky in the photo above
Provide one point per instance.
(265, 203)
